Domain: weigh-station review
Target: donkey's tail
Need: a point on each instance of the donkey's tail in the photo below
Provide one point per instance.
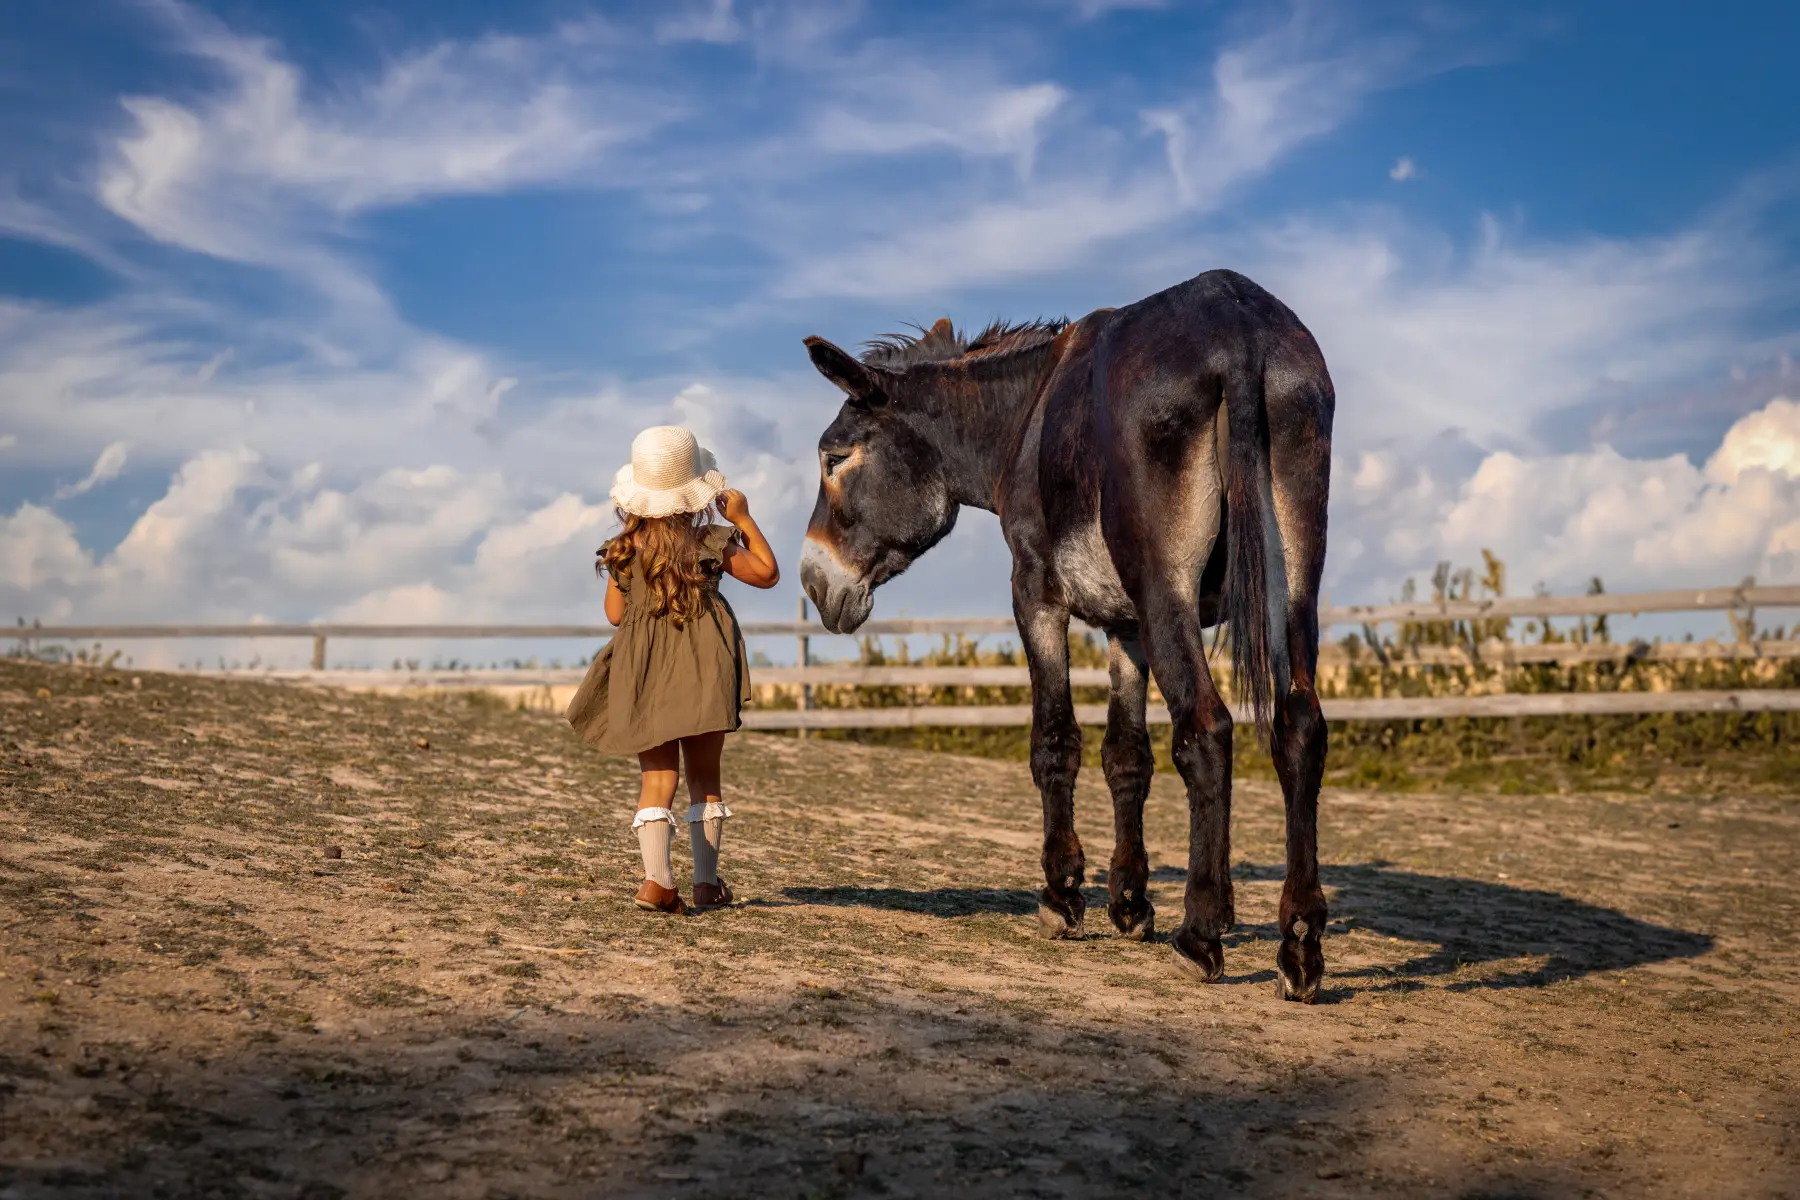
(1256, 576)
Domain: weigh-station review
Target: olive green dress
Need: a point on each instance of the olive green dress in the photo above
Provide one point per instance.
(654, 683)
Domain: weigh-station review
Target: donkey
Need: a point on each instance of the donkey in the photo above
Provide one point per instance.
(1157, 469)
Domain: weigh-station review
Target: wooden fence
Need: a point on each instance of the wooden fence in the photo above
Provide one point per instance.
(1742, 601)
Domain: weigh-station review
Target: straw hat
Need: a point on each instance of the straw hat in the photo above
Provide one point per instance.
(669, 473)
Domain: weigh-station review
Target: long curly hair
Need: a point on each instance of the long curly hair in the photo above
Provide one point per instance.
(661, 554)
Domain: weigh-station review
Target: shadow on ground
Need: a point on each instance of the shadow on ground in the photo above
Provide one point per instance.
(827, 1095)
(1472, 922)
(932, 902)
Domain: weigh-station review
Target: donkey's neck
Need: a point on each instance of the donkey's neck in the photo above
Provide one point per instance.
(980, 406)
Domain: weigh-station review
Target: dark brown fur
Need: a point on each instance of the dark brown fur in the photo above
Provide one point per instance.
(1157, 469)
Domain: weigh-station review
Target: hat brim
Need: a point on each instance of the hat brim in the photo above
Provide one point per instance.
(690, 497)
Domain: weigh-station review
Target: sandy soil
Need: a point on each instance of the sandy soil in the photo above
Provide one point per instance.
(1529, 995)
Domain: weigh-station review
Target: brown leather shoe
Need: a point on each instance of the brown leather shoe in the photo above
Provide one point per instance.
(712, 895)
(654, 897)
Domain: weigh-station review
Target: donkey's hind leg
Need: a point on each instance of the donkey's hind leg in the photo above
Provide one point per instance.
(1125, 756)
(1202, 752)
(1299, 745)
(1298, 742)
(1300, 413)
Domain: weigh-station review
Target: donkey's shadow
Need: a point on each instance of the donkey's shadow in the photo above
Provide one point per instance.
(1469, 922)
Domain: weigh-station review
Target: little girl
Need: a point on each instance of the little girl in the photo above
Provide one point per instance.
(673, 679)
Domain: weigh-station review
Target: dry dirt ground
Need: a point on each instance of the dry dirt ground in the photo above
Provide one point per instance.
(1530, 996)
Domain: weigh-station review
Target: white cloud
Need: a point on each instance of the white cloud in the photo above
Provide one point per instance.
(457, 117)
(23, 217)
(1266, 96)
(106, 467)
(41, 562)
(267, 170)
(1639, 524)
(500, 526)
(211, 367)
(1767, 440)
(1402, 170)
(993, 244)
(916, 109)
(8, 440)
(1492, 338)
(1270, 94)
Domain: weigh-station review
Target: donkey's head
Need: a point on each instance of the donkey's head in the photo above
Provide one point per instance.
(885, 494)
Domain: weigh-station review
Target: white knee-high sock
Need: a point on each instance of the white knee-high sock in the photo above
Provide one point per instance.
(706, 829)
(655, 829)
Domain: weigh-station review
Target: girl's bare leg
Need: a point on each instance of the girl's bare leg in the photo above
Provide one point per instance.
(706, 810)
(655, 823)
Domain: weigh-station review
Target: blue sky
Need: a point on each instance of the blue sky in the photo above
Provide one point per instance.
(350, 311)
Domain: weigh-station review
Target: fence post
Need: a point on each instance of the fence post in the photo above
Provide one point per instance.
(318, 653)
(805, 654)
(1741, 615)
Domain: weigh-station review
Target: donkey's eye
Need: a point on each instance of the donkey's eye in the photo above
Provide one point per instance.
(833, 461)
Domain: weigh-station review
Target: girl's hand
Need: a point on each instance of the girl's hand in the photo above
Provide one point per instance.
(733, 506)
(753, 563)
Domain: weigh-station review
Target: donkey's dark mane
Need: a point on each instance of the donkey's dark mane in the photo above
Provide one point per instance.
(898, 351)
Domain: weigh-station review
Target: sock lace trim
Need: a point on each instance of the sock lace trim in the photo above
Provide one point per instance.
(647, 815)
(706, 812)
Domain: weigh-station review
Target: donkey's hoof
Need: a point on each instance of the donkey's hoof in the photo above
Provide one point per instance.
(1203, 958)
(1053, 925)
(1299, 968)
(1134, 927)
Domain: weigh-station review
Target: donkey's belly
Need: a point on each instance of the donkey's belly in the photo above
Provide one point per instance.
(1090, 584)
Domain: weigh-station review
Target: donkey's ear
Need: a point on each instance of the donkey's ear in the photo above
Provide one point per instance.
(858, 381)
(941, 328)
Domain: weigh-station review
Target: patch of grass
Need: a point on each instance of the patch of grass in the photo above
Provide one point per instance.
(387, 994)
(1379, 774)
(1706, 752)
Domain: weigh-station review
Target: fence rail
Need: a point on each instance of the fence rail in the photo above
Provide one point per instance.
(854, 675)
(1558, 704)
(1494, 653)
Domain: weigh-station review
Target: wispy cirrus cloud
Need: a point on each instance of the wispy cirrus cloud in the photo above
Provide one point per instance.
(107, 467)
(493, 114)
(911, 108)
(1265, 95)
(267, 171)
(1272, 92)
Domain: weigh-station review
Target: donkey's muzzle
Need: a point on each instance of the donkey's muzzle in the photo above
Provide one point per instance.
(844, 601)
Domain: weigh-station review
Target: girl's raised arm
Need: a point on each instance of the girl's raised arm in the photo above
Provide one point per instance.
(753, 563)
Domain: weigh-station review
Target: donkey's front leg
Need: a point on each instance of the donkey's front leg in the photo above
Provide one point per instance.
(1127, 760)
(1055, 758)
